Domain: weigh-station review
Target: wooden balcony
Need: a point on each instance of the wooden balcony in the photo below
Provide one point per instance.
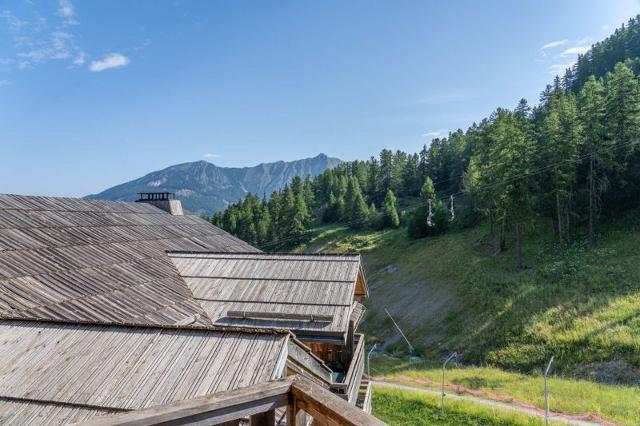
(350, 386)
(257, 403)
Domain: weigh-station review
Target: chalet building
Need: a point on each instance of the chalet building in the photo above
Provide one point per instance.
(140, 313)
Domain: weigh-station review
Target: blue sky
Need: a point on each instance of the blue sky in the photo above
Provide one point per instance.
(96, 93)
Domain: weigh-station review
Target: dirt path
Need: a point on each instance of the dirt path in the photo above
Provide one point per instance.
(557, 417)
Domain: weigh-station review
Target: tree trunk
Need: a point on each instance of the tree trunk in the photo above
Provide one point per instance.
(567, 224)
(502, 246)
(491, 225)
(559, 215)
(519, 246)
(591, 200)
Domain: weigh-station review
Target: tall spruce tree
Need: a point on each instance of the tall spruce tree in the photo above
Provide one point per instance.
(356, 211)
(596, 146)
(562, 135)
(390, 217)
(622, 102)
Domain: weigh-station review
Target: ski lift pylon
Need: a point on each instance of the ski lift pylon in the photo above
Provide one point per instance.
(453, 213)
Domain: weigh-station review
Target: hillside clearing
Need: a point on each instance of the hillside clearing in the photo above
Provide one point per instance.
(452, 293)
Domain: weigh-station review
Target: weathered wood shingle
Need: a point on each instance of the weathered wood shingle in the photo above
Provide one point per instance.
(59, 373)
(311, 285)
(99, 261)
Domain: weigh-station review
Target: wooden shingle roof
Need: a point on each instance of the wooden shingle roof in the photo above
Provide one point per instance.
(60, 373)
(306, 293)
(99, 261)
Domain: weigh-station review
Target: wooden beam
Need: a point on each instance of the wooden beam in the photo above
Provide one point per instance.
(307, 361)
(268, 418)
(207, 410)
(327, 408)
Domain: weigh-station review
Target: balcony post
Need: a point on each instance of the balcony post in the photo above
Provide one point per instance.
(268, 418)
(292, 410)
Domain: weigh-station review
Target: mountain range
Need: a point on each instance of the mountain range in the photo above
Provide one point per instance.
(205, 188)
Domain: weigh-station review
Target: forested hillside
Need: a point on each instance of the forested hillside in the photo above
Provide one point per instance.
(564, 164)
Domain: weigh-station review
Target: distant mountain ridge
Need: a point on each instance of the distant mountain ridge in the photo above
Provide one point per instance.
(205, 188)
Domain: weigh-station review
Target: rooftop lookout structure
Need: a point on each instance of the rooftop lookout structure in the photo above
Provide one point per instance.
(134, 313)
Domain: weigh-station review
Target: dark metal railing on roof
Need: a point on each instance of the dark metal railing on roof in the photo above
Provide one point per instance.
(156, 196)
(279, 316)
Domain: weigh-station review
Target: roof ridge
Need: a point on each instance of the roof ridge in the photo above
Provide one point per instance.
(64, 404)
(190, 327)
(89, 201)
(302, 280)
(258, 302)
(232, 254)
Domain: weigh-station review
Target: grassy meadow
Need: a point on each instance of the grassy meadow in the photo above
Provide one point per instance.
(614, 403)
(400, 407)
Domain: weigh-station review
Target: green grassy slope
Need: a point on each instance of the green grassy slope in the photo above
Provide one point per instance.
(399, 407)
(580, 303)
(618, 404)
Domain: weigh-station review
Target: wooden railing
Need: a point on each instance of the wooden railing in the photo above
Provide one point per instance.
(257, 403)
(366, 403)
(350, 387)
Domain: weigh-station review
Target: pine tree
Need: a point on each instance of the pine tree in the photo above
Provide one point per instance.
(263, 223)
(386, 175)
(428, 191)
(373, 218)
(296, 185)
(411, 175)
(622, 101)
(423, 167)
(596, 147)
(390, 218)
(309, 193)
(356, 212)
(503, 162)
(373, 179)
(399, 162)
(561, 133)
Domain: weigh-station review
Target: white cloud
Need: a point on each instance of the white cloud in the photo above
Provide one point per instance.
(110, 60)
(211, 156)
(67, 11)
(37, 41)
(553, 44)
(79, 59)
(435, 133)
(576, 50)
